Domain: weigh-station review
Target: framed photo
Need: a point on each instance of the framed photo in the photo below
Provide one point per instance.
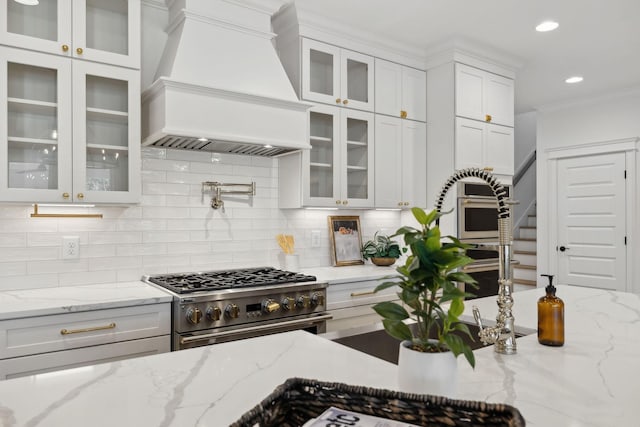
(346, 240)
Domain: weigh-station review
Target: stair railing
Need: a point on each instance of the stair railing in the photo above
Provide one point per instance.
(528, 161)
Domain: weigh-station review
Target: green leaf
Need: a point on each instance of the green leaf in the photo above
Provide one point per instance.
(456, 308)
(397, 329)
(391, 310)
(385, 285)
(420, 216)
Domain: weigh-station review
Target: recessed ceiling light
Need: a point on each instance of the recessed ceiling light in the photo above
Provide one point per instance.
(202, 139)
(574, 79)
(268, 146)
(547, 26)
(28, 2)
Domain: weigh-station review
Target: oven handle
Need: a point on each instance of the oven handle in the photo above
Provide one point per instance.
(259, 328)
(477, 268)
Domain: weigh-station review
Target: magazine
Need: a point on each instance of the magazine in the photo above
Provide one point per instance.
(334, 417)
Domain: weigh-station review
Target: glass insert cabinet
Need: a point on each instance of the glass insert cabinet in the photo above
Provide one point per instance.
(69, 126)
(338, 170)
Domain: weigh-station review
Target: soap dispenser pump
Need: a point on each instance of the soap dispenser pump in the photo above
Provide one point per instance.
(550, 316)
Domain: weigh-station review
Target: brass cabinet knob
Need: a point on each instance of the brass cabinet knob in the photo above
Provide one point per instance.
(345, 102)
(406, 203)
(65, 196)
(80, 196)
(488, 168)
(403, 114)
(338, 100)
(344, 202)
(399, 203)
(487, 118)
(338, 202)
(79, 51)
(65, 47)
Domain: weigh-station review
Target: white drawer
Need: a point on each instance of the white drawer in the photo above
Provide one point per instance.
(20, 337)
(48, 362)
(354, 294)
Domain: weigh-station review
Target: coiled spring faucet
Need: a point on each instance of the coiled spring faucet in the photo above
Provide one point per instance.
(502, 334)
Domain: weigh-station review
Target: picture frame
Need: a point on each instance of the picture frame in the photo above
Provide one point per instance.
(346, 240)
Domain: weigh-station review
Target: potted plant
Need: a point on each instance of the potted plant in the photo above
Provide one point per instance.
(381, 249)
(427, 280)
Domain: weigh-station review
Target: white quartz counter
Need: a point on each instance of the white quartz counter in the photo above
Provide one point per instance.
(591, 381)
(68, 299)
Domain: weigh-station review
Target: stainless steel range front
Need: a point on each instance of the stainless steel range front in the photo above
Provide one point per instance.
(218, 306)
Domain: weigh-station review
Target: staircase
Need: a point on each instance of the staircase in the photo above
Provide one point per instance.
(524, 251)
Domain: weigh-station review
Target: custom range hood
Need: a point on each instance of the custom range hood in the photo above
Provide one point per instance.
(220, 85)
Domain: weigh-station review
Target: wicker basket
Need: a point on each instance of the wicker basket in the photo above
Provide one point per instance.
(297, 400)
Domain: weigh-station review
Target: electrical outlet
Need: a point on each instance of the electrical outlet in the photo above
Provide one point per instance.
(70, 247)
(315, 238)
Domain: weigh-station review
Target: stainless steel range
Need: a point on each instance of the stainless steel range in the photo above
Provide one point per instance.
(218, 306)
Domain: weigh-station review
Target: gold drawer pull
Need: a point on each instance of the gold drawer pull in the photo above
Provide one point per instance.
(361, 294)
(111, 325)
(403, 114)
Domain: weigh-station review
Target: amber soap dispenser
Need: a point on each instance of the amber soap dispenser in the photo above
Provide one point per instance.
(550, 316)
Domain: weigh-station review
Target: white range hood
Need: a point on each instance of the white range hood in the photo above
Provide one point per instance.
(220, 85)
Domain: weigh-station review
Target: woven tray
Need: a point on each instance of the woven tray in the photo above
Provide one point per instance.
(297, 400)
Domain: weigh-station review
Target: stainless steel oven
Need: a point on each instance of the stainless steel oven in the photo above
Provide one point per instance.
(218, 306)
(478, 212)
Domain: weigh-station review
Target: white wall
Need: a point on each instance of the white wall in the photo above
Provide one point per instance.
(598, 120)
(173, 229)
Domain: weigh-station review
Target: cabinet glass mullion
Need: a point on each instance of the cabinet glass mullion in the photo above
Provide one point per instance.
(32, 127)
(106, 134)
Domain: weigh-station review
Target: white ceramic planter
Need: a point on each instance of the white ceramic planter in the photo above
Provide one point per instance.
(426, 373)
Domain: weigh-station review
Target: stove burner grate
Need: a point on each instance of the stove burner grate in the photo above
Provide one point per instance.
(227, 279)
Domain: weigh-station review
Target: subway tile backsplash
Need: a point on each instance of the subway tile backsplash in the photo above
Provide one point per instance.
(173, 229)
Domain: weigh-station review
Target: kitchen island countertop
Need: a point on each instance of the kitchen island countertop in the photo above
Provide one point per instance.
(590, 381)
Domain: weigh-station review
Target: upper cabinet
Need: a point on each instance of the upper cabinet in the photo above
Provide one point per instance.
(484, 146)
(338, 171)
(337, 76)
(401, 91)
(95, 30)
(64, 139)
(481, 95)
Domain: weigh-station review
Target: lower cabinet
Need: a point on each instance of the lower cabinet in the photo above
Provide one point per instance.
(47, 343)
(351, 303)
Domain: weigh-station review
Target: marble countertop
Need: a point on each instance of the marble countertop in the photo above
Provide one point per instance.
(68, 299)
(351, 273)
(590, 381)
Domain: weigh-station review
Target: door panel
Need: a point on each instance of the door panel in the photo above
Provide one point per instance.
(592, 221)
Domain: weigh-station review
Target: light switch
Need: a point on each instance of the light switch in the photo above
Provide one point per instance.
(315, 238)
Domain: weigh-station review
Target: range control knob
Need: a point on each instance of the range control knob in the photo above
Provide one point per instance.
(213, 313)
(317, 299)
(194, 315)
(270, 306)
(288, 303)
(232, 311)
(303, 301)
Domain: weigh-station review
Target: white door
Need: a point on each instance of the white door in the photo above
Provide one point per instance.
(591, 221)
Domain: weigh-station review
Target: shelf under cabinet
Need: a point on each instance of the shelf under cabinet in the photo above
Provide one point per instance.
(20, 105)
(101, 114)
(320, 139)
(357, 143)
(320, 165)
(32, 140)
(356, 168)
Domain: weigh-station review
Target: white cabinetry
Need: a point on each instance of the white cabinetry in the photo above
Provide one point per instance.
(484, 145)
(484, 96)
(400, 91)
(70, 131)
(333, 75)
(401, 153)
(351, 303)
(96, 30)
(47, 343)
(338, 170)
(51, 119)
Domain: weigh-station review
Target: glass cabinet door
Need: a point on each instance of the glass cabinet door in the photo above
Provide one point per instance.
(106, 139)
(36, 123)
(357, 177)
(45, 26)
(322, 187)
(357, 80)
(321, 72)
(107, 31)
